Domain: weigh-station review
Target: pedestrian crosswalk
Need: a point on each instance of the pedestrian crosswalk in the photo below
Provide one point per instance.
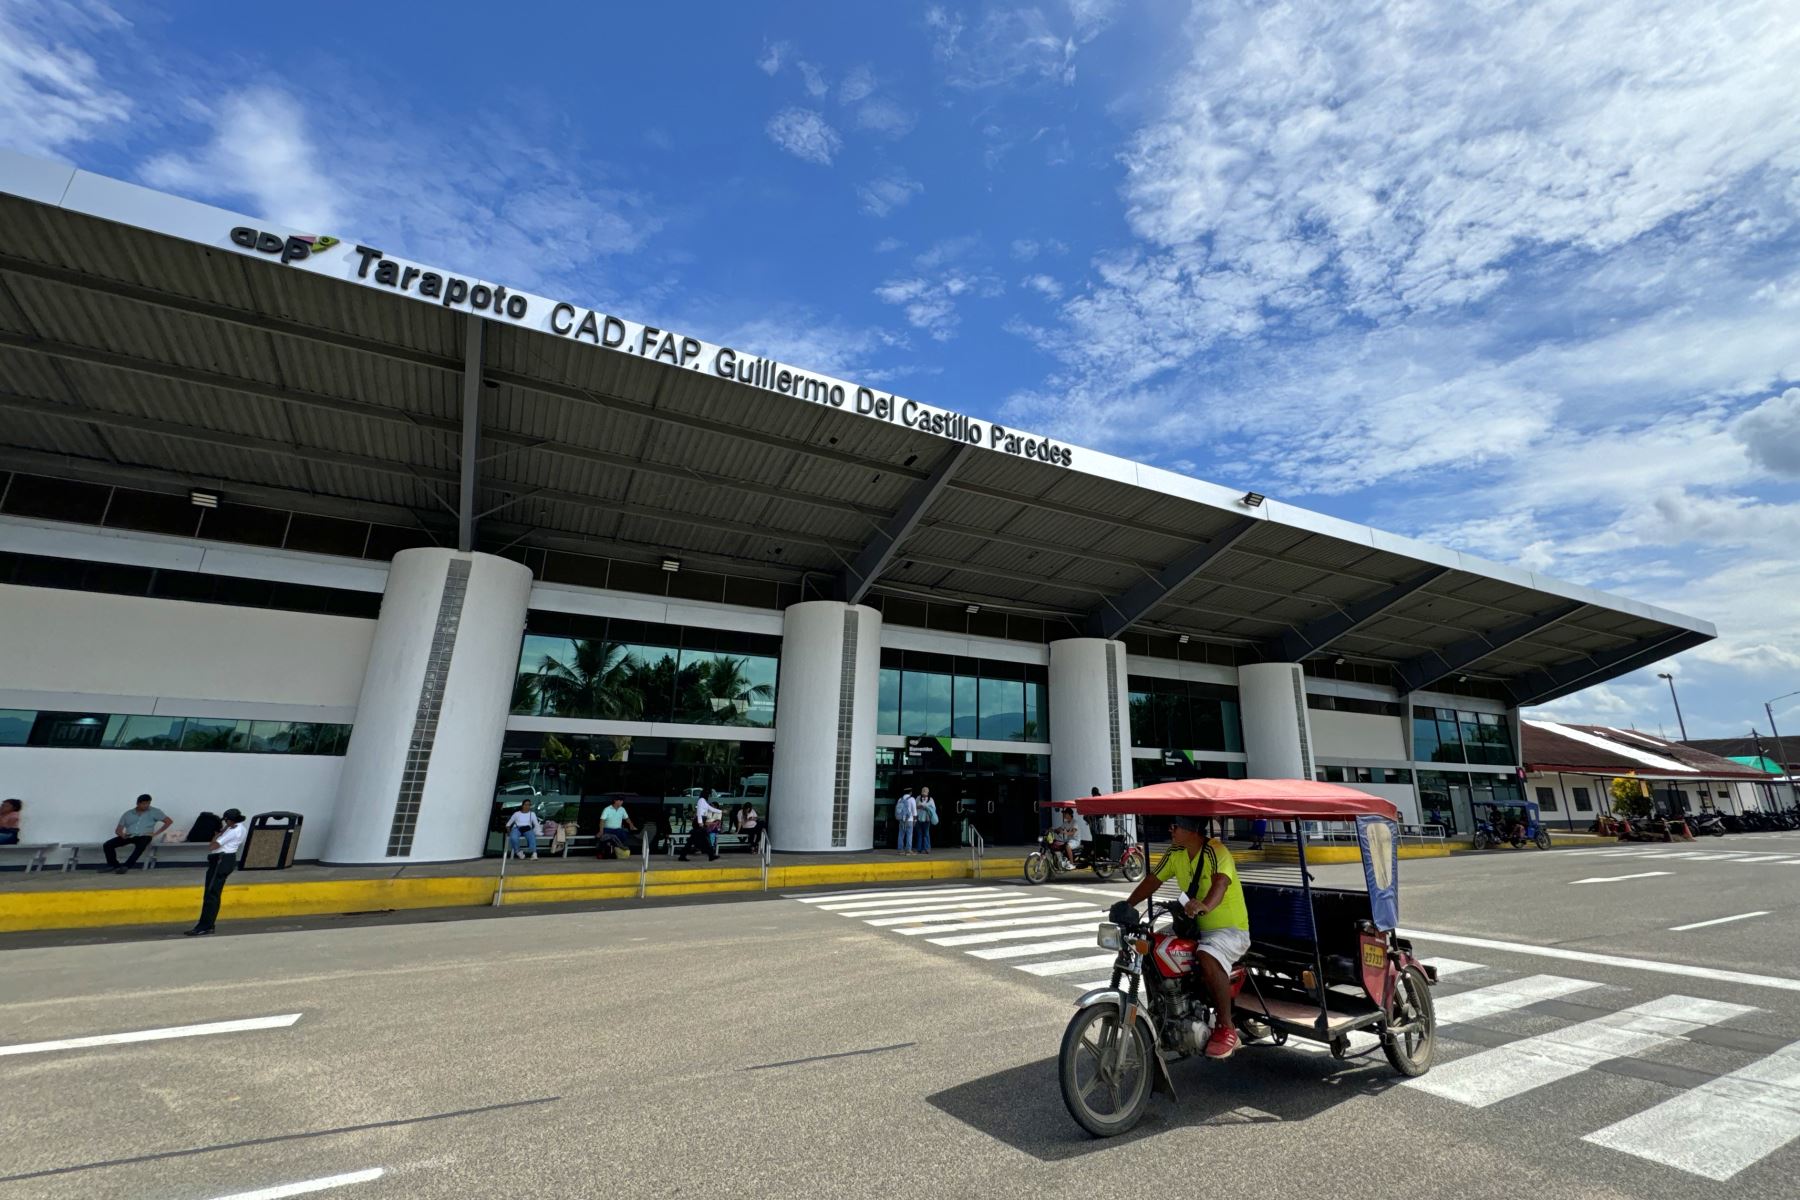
(1682, 852)
(1502, 1037)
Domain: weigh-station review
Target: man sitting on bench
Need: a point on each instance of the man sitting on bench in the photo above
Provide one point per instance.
(136, 827)
(1213, 897)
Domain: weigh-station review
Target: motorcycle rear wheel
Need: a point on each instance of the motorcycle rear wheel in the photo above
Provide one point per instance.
(1543, 839)
(1133, 866)
(1410, 1053)
(1037, 867)
(1104, 868)
(1106, 1071)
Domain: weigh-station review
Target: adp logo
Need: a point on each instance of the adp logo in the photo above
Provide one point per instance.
(291, 249)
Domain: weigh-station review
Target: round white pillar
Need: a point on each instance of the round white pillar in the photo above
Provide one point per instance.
(1277, 733)
(823, 793)
(418, 782)
(1090, 718)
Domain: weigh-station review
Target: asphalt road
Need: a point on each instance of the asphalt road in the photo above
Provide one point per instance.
(901, 1042)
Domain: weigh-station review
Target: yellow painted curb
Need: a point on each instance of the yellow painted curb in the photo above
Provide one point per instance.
(99, 907)
(1320, 855)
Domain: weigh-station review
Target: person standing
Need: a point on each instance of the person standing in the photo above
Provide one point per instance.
(523, 824)
(9, 821)
(906, 811)
(221, 861)
(925, 816)
(137, 826)
(703, 835)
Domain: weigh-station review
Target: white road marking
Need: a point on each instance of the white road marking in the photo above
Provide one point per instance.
(1040, 906)
(852, 907)
(1617, 878)
(153, 1035)
(1763, 858)
(1714, 974)
(942, 906)
(1068, 966)
(1719, 921)
(887, 893)
(1115, 893)
(1491, 1076)
(1453, 966)
(280, 1191)
(1026, 951)
(1720, 1127)
(1505, 997)
(1042, 917)
(1013, 935)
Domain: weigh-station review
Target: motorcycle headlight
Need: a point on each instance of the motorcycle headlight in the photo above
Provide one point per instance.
(1108, 936)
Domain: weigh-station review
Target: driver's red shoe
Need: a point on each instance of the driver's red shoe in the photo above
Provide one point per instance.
(1222, 1044)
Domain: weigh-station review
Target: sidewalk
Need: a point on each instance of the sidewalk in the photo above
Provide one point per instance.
(87, 899)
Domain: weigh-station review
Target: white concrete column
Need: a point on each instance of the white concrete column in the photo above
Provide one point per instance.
(1090, 718)
(1277, 733)
(823, 793)
(418, 782)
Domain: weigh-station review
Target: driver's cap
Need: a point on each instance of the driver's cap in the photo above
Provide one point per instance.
(1191, 824)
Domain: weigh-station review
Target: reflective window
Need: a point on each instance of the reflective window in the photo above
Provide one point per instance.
(966, 722)
(145, 733)
(1003, 709)
(15, 726)
(1176, 714)
(207, 733)
(68, 730)
(938, 695)
(925, 703)
(695, 676)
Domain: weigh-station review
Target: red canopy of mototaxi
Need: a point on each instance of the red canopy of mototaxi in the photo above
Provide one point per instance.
(1276, 799)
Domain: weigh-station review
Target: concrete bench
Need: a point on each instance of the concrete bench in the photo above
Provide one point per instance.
(38, 854)
(176, 852)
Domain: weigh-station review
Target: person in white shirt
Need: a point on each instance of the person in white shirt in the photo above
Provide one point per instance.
(703, 835)
(221, 861)
(523, 824)
(906, 811)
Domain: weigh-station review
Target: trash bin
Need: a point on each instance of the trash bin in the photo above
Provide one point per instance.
(271, 842)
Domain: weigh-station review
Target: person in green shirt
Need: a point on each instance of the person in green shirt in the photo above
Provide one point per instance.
(613, 819)
(1213, 898)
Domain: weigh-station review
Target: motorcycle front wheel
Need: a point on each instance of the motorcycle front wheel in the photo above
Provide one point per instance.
(1104, 868)
(1037, 867)
(1107, 1071)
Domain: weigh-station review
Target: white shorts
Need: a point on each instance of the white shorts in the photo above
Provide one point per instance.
(1225, 945)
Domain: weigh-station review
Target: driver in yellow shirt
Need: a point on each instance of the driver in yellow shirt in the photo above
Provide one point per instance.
(1212, 896)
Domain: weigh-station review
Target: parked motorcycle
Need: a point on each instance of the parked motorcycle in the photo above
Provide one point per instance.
(1707, 824)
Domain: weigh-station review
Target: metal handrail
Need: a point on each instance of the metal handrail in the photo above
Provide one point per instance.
(768, 853)
(977, 851)
(649, 840)
(500, 886)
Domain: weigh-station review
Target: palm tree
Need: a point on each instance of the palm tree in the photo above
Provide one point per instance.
(721, 692)
(594, 681)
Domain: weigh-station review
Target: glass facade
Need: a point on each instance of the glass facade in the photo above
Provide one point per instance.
(633, 671)
(1447, 797)
(570, 777)
(995, 793)
(1363, 775)
(132, 731)
(1454, 736)
(1185, 715)
(939, 695)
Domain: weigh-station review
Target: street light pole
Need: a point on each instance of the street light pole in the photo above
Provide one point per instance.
(1780, 750)
(1672, 696)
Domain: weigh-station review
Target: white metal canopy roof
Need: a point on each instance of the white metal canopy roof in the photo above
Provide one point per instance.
(142, 341)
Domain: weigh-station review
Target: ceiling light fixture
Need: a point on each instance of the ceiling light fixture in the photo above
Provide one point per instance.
(972, 609)
(1338, 661)
(1182, 640)
(201, 499)
(671, 565)
(1252, 499)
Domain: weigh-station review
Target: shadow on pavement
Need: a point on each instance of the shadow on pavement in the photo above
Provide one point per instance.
(1023, 1106)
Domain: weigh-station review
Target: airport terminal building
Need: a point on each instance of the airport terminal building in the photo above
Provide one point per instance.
(292, 523)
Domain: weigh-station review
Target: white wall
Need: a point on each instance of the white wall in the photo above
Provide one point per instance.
(802, 798)
(1338, 735)
(77, 795)
(1277, 724)
(88, 643)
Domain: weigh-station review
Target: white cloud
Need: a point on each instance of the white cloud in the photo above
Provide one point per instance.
(886, 117)
(929, 297)
(804, 133)
(804, 338)
(1044, 286)
(1005, 46)
(883, 194)
(773, 56)
(858, 84)
(887, 245)
(53, 94)
(261, 143)
(1091, 17)
(816, 87)
(1770, 432)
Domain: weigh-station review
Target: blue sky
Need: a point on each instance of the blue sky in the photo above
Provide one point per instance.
(1527, 284)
